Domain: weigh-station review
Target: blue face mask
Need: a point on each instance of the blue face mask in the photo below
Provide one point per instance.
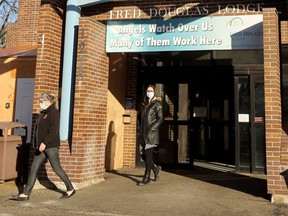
(43, 106)
(150, 95)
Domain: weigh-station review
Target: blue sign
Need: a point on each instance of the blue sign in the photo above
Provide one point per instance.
(185, 34)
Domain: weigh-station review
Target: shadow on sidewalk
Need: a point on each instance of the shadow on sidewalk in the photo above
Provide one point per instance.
(132, 177)
(253, 184)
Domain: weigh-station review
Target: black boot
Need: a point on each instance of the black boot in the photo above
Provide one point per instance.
(156, 169)
(145, 180)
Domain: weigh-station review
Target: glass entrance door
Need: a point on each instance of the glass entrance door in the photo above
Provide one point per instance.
(198, 119)
(212, 117)
(258, 124)
(175, 148)
(250, 124)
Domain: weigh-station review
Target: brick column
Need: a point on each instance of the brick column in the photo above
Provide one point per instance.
(275, 182)
(48, 64)
(129, 151)
(90, 106)
(27, 24)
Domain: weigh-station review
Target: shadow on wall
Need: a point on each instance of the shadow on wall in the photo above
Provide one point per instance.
(110, 151)
(285, 175)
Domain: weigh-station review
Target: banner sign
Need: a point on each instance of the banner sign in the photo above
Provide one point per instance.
(185, 34)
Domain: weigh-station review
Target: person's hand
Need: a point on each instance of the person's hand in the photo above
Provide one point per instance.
(42, 147)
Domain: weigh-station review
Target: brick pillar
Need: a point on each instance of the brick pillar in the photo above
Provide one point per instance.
(129, 151)
(90, 106)
(48, 65)
(28, 16)
(275, 182)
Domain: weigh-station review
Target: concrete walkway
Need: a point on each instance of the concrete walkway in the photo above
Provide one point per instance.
(197, 192)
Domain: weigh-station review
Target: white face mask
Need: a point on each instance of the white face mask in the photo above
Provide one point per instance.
(150, 95)
(43, 106)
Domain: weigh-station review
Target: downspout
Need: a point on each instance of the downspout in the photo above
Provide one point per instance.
(73, 13)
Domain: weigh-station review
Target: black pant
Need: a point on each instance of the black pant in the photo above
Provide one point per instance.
(53, 156)
(148, 158)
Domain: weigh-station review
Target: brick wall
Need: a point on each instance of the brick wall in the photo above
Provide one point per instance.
(11, 35)
(48, 67)
(90, 110)
(284, 32)
(48, 64)
(129, 151)
(272, 84)
(24, 31)
(28, 16)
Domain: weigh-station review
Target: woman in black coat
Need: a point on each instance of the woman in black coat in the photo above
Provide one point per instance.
(150, 119)
(46, 142)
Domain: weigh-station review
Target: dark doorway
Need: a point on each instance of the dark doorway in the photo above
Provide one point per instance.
(198, 104)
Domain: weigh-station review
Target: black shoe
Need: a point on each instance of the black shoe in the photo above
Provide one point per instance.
(18, 198)
(146, 180)
(156, 170)
(66, 196)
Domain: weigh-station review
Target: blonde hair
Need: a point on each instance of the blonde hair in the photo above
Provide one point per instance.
(49, 97)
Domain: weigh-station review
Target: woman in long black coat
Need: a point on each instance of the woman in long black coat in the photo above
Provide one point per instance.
(150, 119)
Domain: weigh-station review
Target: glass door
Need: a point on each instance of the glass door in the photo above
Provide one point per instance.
(198, 108)
(212, 118)
(242, 124)
(258, 124)
(249, 124)
(175, 145)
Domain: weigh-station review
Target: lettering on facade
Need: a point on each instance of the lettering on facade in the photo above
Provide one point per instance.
(186, 11)
(218, 32)
(125, 42)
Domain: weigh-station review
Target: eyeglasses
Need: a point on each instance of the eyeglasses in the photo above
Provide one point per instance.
(41, 101)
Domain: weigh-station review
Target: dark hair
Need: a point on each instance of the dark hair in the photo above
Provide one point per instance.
(152, 86)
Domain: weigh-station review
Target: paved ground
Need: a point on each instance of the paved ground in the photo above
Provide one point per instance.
(178, 192)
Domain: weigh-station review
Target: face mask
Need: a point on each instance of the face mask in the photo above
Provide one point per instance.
(150, 95)
(43, 106)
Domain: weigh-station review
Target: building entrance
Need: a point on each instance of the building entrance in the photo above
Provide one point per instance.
(201, 116)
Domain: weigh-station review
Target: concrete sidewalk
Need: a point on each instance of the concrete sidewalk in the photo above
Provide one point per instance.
(197, 192)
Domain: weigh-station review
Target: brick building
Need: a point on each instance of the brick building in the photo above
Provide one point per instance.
(219, 66)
